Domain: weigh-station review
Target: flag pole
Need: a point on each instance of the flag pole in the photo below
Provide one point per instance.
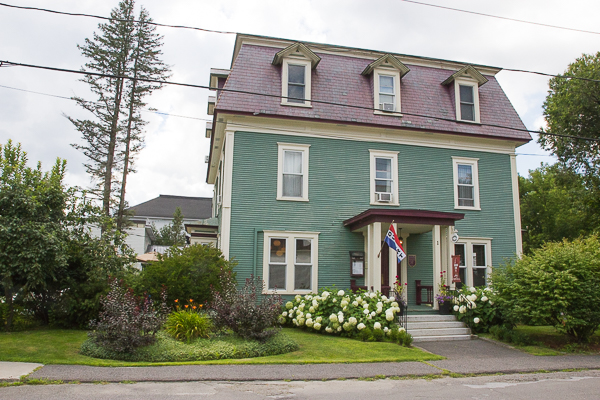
(383, 244)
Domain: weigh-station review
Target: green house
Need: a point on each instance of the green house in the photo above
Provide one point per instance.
(317, 149)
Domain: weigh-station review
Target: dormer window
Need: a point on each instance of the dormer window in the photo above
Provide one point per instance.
(387, 71)
(297, 63)
(466, 83)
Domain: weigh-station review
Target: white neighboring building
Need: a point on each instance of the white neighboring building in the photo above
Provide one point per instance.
(197, 212)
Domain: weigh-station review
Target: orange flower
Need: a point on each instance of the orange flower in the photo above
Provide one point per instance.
(186, 306)
(191, 300)
(176, 300)
(194, 307)
(200, 305)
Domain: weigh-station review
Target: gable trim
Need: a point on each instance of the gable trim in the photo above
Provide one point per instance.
(471, 71)
(387, 60)
(297, 48)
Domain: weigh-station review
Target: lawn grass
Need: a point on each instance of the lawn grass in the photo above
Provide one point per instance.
(57, 346)
(549, 342)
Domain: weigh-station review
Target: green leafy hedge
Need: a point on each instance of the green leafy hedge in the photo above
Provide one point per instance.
(167, 349)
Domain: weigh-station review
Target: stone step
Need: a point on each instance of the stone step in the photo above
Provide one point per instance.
(430, 318)
(439, 332)
(434, 324)
(417, 339)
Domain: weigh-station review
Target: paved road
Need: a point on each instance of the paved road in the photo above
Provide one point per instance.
(547, 386)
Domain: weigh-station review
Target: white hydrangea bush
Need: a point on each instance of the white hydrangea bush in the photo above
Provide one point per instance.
(475, 307)
(338, 312)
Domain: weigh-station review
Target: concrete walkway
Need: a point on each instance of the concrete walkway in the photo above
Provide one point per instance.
(464, 357)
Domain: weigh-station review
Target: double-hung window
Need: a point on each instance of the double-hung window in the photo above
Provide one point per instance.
(296, 82)
(387, 90)
(291, 261)
(467, 103)
(475, 259)
(384, 177)
(466, 183)
(292, 172)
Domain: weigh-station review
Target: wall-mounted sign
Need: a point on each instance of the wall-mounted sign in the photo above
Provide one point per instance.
(357, 263)
(412, 260)
(455, 269)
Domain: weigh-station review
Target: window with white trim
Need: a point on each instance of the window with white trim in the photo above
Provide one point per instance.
(466, 183)
(291, 261)
(292, 172)
(467, 100)
(384, 177)
(387, 91)
(296, 82)
(475, 260)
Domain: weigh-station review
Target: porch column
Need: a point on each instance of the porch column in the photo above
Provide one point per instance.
(437, 261)
(374, 272)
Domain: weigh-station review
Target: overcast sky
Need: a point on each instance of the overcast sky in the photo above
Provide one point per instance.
(173, 159)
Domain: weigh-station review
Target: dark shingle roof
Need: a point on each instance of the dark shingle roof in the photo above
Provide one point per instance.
(164, 207)
(338, 79)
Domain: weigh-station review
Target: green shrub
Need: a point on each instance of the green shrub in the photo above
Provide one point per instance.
(378, 335)
(555, 285)
(404, 338)
(366, 335)
(188, 325)
(509, 335)
(186, 273)
(167, 349)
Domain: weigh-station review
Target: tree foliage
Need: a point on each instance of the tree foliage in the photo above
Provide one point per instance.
(555, 204)
(172, 234)
(49, 259)
(126, 50)
(555, 285)
(572, 108)
(186, 273)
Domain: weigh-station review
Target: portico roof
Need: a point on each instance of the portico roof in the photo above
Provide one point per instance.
(422, 217)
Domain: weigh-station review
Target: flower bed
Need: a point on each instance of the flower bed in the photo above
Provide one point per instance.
(338, 313)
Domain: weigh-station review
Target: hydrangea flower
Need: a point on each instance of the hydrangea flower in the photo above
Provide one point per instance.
(456, 308)
(298, 297)
(339, 329)
(325, 295)
(311, 309)
(366, 311)
(289, 305)
(373, 314)
(389, 316)
(333, 318)
(319, 319)
(355, 303)
(315, 303)
(341, 293)
(377, 325)
(308, 315)
(365, 306)
(372, 295)
(484, 298)
(309, 322)
(360, 326)
(341, 318)
(395, 304)
(328, 329)
(316, 326)
(401, 329)
(472, 289)
(352, 320)
(386, 329)
(284, 313)
(462, 309)
(476, 320)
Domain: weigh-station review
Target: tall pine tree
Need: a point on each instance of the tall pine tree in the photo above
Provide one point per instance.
(127, 50)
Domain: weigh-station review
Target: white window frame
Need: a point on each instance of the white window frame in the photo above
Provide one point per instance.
(290, 254)
(377, 72)
(463, 81)
(307, 81)
(469, 243)
(303, 148)
(474, 163)
(393, 155)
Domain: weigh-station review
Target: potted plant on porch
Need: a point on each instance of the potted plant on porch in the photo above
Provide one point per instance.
(444, 296)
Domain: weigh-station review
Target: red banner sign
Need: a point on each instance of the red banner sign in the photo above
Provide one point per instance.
(455, 269)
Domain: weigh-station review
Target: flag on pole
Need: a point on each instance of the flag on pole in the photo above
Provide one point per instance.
(392, 240)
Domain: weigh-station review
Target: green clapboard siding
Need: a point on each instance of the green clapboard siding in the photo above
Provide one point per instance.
(339, 189)
(422, 246)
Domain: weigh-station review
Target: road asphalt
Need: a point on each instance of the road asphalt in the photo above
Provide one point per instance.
(462, 357)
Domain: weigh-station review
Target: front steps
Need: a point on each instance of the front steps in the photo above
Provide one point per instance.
(435, 327)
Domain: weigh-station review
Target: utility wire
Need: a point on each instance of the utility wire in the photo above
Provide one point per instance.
(276, 96)
(499, 17)
(115, 19)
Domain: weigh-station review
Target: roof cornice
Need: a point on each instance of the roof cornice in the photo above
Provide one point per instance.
(387, 60)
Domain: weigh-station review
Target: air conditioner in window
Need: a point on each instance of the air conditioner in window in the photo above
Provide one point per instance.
(384, 197)
(387, 106)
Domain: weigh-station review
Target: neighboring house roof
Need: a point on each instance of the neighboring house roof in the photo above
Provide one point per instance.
(164, 206)
(338, 79)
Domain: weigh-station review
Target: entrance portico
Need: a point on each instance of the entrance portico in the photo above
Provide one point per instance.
(374, 223)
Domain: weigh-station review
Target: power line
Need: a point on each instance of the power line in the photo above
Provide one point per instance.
(115, 19)
(499, 17)
(98, 103)
(276, 96)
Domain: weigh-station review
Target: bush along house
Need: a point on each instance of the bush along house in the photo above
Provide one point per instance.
(316, 149)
